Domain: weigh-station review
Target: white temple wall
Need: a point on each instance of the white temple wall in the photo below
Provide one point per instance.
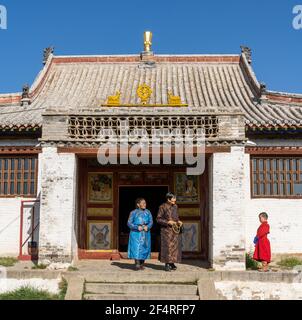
(10, 219)
(285, 219)
(10, 225)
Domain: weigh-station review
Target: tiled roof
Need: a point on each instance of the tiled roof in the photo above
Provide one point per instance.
(20, 117)
(208, 84)
(274, 115)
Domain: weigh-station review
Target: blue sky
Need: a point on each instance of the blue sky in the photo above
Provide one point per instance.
(116, 27)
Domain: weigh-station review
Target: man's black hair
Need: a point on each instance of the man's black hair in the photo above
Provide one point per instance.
(170, 195)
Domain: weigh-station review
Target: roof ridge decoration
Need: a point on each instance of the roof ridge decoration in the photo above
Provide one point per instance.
(25, 98)
(47, 52)
(247, 51)
(260, 88)
(144, 93)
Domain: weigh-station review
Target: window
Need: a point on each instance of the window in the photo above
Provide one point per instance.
(18, 176)
(276, 177)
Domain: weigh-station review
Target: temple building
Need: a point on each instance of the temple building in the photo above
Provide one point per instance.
(59, 203)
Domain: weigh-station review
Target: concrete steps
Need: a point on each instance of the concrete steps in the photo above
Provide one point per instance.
(143, 277)
(140, 291)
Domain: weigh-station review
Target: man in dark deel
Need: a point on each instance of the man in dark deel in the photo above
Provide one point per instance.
(167, 218)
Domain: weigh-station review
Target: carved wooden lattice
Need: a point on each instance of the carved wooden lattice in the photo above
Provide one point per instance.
(18, 176)
(89, 128)
(276, 177)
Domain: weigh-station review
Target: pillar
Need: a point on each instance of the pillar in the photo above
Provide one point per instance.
(227, 210)
(58, 175)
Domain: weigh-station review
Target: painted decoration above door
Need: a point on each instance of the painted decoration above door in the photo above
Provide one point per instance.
(100, 187)
(186, 188)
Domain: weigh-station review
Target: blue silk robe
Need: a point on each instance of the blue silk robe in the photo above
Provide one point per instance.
(139, 246)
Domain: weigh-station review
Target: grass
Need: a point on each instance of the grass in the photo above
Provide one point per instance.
(28, 293)
(63, 289)
(8, 261)
(250, 263)
(289, 262)
(39, 266)
(72, 269)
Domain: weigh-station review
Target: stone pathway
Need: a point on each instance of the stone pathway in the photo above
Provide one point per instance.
(152, 266)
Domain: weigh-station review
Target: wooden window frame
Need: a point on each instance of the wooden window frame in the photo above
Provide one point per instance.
(275, 172)
(12, 172)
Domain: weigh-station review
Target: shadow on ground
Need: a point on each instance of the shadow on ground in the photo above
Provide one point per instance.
(156, 265)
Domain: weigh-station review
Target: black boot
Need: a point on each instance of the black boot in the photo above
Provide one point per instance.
(173, 266)
(137, 265)
(167, 267)
(142, 264)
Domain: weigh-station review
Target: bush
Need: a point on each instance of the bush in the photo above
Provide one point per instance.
(290, 262)
(8, 261)
(250, 263)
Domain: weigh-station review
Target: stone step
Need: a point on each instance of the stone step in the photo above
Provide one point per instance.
(134, 277)
(139, 297)
(140, 289)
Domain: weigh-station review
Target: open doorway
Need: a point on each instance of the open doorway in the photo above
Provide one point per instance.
(154, 196)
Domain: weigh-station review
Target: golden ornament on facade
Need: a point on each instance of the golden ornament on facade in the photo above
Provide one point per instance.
(174, 100)
(114, 100)
(144, 93)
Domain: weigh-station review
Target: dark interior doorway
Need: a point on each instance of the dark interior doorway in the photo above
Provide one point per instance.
(154, 196)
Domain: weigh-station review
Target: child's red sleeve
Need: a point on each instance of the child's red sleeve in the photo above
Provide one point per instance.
(263, 230)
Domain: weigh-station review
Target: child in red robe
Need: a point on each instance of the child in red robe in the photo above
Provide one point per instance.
(262, 245)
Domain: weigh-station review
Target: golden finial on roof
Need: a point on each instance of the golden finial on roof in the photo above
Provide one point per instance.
(147, 41)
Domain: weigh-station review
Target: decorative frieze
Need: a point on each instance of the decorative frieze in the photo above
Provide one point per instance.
(89, 127)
